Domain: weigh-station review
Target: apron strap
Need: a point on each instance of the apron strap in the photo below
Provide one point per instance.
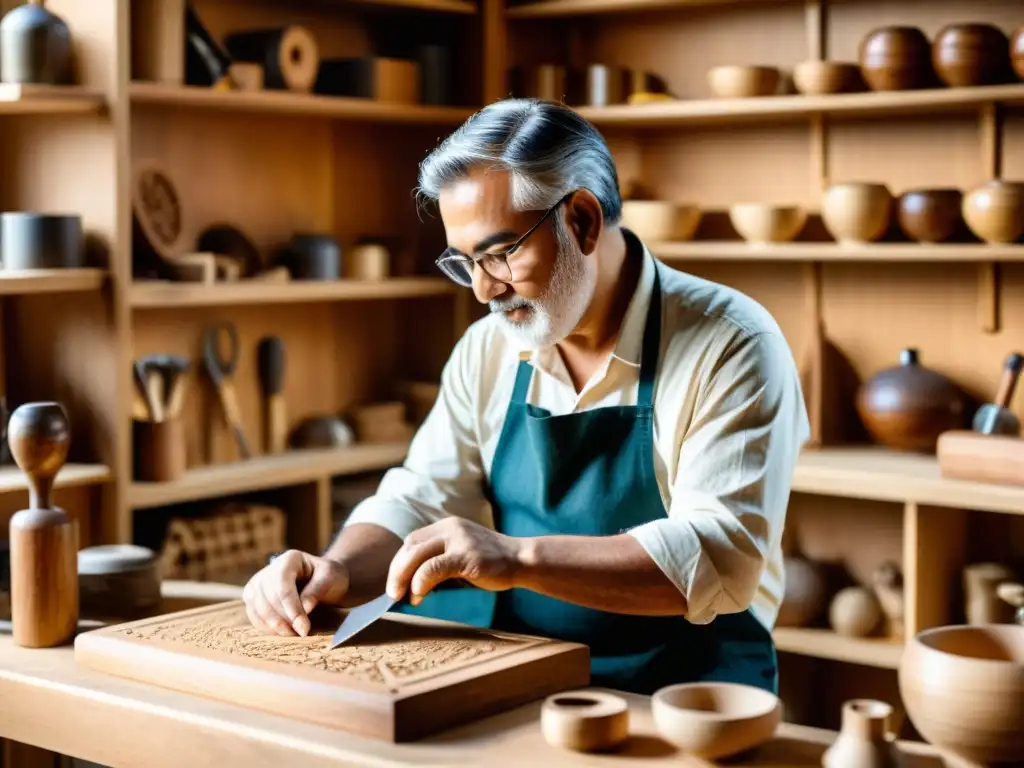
(522, 385)
(651, 346)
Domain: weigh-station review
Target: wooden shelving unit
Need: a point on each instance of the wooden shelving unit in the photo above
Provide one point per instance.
(300, 104)
(797, 107)
(879, 253)
(228, 294)
(48, 99)
(27, 281)
(547, 9)
(264, 472)
(825, 644)
(70, 476)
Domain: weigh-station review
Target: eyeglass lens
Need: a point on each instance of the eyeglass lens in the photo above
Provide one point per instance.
(460, 268)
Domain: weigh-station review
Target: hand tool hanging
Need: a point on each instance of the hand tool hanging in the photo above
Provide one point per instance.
(221, 369)
(271, 368)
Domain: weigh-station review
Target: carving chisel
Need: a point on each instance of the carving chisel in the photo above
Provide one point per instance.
(360, 617)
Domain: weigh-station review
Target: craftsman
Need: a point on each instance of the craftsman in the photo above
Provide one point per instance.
(609, 457)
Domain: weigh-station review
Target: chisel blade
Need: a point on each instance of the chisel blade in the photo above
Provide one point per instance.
(360, 617)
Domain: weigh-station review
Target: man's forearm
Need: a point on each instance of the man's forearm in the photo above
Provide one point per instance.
(609, 573)
(366, 550)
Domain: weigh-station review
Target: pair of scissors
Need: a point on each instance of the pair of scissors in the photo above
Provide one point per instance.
(221, 368)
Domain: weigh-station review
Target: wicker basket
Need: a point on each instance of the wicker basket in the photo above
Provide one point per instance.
(229, 546)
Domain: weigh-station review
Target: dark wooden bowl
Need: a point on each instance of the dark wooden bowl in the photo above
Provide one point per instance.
(1017, 52)
(896, 59)
(971, 54)
(930, 215)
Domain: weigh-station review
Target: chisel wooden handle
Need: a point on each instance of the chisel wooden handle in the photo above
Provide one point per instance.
(277, 424)
(271, 360)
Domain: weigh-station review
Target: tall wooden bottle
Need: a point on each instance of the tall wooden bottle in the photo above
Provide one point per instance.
(43, 538)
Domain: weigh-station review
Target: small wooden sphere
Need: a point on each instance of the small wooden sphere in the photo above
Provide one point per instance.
(855, 612)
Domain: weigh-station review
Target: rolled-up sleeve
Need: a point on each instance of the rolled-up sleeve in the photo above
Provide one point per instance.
(732, 479)
(442, 473)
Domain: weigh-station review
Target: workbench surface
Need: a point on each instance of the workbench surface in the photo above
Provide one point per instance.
(47, 701)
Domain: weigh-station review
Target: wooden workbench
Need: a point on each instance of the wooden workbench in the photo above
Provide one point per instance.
(47, 701)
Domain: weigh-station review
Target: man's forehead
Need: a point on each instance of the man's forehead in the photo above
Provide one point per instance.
(480, 188)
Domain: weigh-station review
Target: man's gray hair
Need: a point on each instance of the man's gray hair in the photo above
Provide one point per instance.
(548, 148)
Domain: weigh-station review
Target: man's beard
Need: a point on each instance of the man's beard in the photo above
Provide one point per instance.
(556, 314)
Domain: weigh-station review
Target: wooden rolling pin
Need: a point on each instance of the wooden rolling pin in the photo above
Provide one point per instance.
(967, 455)
(43, 538)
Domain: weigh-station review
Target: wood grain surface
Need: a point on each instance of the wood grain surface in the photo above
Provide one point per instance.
(401, 679)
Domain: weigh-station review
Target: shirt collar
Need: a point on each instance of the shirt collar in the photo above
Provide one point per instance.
(629, 345)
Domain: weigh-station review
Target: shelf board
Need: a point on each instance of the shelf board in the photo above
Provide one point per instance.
(830, 251)
(48, 99)
(882, 475)
(711, 111)
(70, 475)
(22, 281)
(826, 644)
(264, 472)
(285, 102)
(161, 294)
(437, 6)
(540, 9)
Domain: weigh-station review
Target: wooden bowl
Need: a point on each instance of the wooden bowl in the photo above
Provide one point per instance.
(1017, 52)
(930, 215)
(896, 59)
(660, 220)
(767, 223)
(740, 82)
(971, 54)
(995, 211)
(814, 78)
(963, 687)
(856, 212)
(715, 720)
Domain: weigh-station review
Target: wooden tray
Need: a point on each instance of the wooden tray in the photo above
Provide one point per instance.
(400, 679)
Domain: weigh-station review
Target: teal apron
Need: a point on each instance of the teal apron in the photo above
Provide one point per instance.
(591, 474)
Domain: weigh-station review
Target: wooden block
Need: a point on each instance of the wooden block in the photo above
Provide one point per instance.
(246, 76)
(967, 455)
(401, 679)
(158, 41)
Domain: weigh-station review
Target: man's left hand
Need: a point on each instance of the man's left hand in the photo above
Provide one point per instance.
(453, 548)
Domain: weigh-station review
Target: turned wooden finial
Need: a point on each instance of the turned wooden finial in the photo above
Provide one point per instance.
(39, 436)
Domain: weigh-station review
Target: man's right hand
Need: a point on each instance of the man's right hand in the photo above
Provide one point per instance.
(272, 597)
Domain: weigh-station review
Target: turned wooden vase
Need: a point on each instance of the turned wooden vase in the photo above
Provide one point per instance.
(896, 59)
(971, 54)
(908, 406)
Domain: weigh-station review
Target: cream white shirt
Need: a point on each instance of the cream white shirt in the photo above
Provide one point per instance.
(729, 422)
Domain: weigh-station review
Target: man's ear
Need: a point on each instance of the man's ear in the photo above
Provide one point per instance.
(585, 220)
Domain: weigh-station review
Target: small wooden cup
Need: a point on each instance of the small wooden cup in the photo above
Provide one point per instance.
(160, 454)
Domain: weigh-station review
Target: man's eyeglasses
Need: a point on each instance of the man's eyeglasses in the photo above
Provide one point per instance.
(459, 267)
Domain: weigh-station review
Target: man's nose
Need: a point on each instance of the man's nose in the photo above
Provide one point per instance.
(486, 287)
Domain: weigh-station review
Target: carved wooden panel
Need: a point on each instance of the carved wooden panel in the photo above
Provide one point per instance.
(400, 679)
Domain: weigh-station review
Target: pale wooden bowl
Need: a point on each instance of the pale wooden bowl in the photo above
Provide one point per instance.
(743, 82)
(660, 220)
(715, 720)
(857, 212)
(995, 211)
(766, 223)
(963, 687)
(814, 78)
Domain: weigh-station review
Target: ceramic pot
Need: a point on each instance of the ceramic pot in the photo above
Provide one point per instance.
(971, 54)
(738, 82)
(982, 604)
(766, 223)
(863, 740)
(856, 212)
(41, 241)
(806, 593)
(995, 211)
(1017, 52)
(35, 46)
(930, 215)
(908, 406)
(963, 687)
(813, 78)
(896, 59)
(312, 257)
